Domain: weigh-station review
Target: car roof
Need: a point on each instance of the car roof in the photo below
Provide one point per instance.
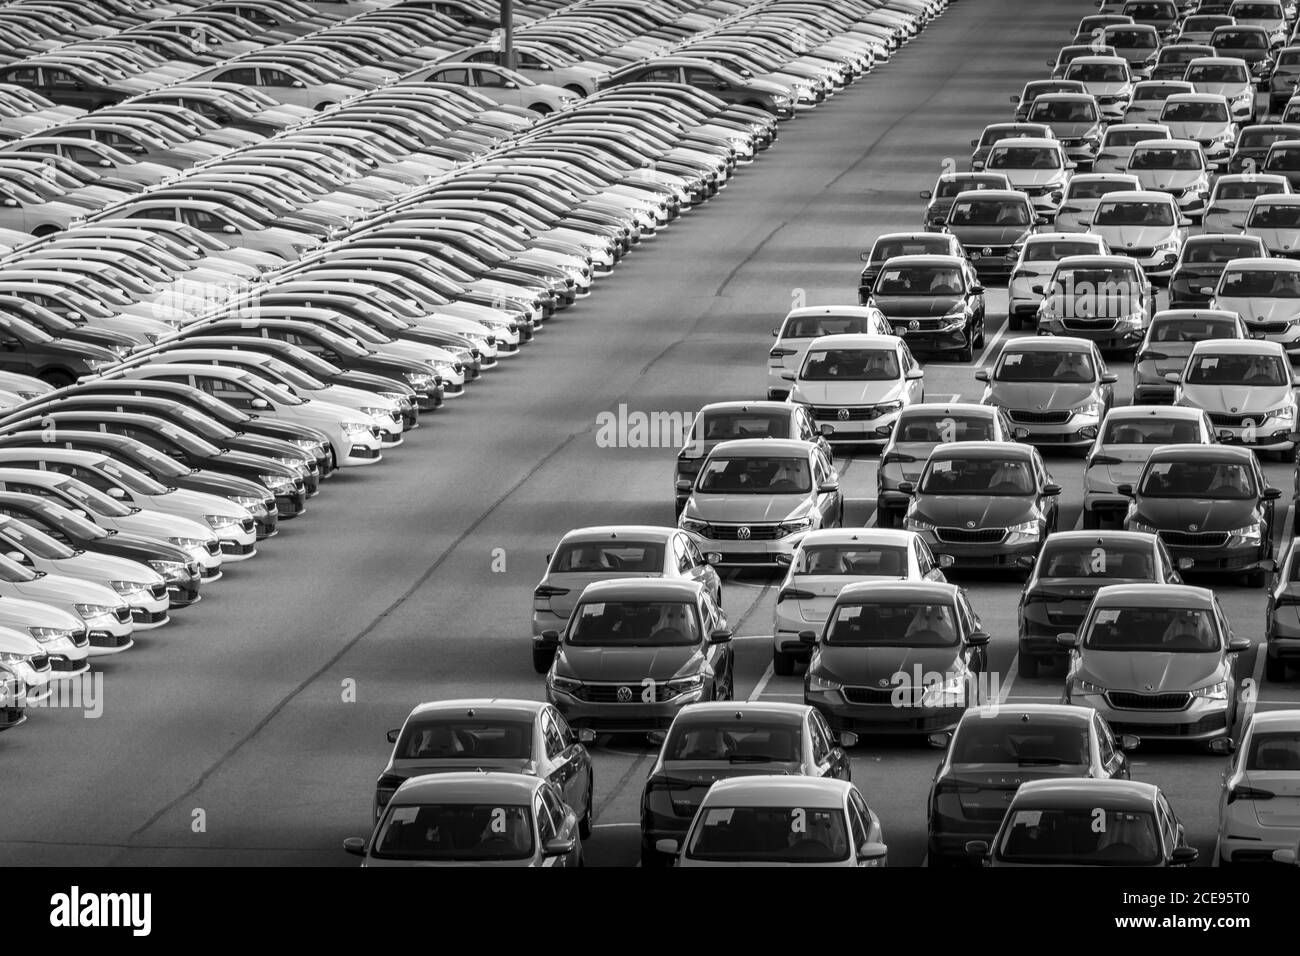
(1048, 343)
(1034, 141)
(934, 259)
(739, 710)
(762, 405)
(643, 589)
(1243, 346)
(467, 787)
(1102, 537)
(1099, 58)
(1008, 711)
(779, 790)
(1168, 143)
(1170, 315)
(1114, 794)
(1095, 260)
(1155, 595)
(891, 536)
(1188, 451)
(913, 236)
(1278, 199)
(484, 707)
(762, 447)
(1002, 194)
(867, 591)
(984, 449)
(853, 310)
(1276, 720)
(931, 408)
(1140, 195)
(610, 532)
(1128, 412)
(856, 340)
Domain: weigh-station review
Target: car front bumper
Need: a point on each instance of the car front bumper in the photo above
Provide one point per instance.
(631, 717)
(884, 719)
(1201, 719)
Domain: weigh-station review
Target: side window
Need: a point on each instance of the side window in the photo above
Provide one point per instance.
(965, 614)
(553, 800)
(490, 56)
(680, 554)
(821, 744)
(489, 78)
(24, 76)
(819, 471)
(201, 219)
(858, 823)
(696, 557)
(923, 562)
(276, 78)
(459, 77)
(1167, 825)
(61, 79)
(663, 74)
(704, 80)
(566, 732)
(1105, 744)
(245, 75)
(545, 822)
(554, 743)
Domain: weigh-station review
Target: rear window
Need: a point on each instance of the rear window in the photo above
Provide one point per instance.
(1247, 188)
(457, 737)
(1035, 743)
(770, 834)
(737, 741)
(1274, 216)
(1131, 137)
(1164, 158)
(1088, 559)
(889, 248)
(587, 556)
(726, 426)
(1057, 249)
(871, 561)
(1151, 431)
(1063, 111)
(1274, 751)
(1195, 112)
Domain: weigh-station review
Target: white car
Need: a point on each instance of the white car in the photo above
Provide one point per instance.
(1259, 800)
(1265, 292)
(1146, 225)
(1235, 193)
(503, 86)
(858, 384)
(1226, 76)
(1038, 258)
(1204, 118)
(780, 820)
(1275, 220)
(1246, 386)
(824, 562)
(801, 326)
(139, 585)
(1174, 166)
(107, 617)
(61, 634)
(26, 658)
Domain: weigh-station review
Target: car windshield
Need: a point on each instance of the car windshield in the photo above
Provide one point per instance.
(1097, 72)
(855, 559)
(634, 624)
(1092, 836)
(94, 501)
(1239, 40)
(457, 831)
(889, 624)
(989, 212)
(130, 478)
(811, 326)
(1096, 559)
(769, 835)
(1217, 73)
(1289, 58)
(71, 523)
(1193, 330)
(1151, 430)
(1132, 39)
(23, 537)
(920, 280)
(1134, 214)
(448, 737)
(1257, 11)
(1266, 370)
(1263, 283)
(1162, 158)
(1268, 215)
(1265, 137)
(747, 740)
(1156, 630)
(933, 428)
(889, 248)
(589, 556)
(1045, 366)
(851, 365)
(1276, 751)
(1194, 113)
(978, 476)
(948, 188)
(1083, 189)
(1220, 252)
(1039, 742)
(756, 476)
(1198, 479)
(11, 572)
(1027, 157)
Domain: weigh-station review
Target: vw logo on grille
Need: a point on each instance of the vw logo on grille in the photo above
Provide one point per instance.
(970, 524)
(1233, 409)
(744, 532)
(914, 324)
(1193, 527)
(987, 250)
(624, 694)
(842, 414)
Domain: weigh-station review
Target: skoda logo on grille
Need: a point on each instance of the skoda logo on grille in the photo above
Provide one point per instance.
(1233, 409)
(1193, 527)
(842, 414)
(624, 694)
(884, 682)
(914, 324)
(744, 532)
(1150, 687)
(970, 524)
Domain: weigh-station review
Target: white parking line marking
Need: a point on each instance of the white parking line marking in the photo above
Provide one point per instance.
(1078, 522)
(762, 683)
(1260, 656)
(990, 345)
(1005, 691)
(1288, 526)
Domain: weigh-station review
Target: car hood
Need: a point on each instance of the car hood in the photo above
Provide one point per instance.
(846, 393)
(1235, 399)
(1047, 396)
(631, 664)
(1068, 130)
(974, 511)
(200, 502)
(753, 508)
(909, 306)
(868, 666)
(1280, 238)
(1195, 129)
(16, 642)
(1148, 671)
(1180, 514)
(19, 613)
(158, 525)
(1167, 179)
(1229, 90)
(104, 567)
(1022, 178)
(1127, 237)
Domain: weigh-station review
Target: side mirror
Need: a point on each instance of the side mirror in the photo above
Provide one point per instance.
(1224, 435)
(1285, 856)
(1067, 640)
(1109, 378)
(981, 375)
(1015, 100)
(788, 376)
(1184, 855)
(907, 487)
(1051, 488)
(977, 638)
(1186, 564)
(939, 741)
(1223, 746)
(1184, 221)
(559, 846)
(926, 194)
(1037, 289)
(685, 485)
(828, 487)
(1026, 561)
(847, 738)
(586, 736)
(17, 556)
(872, 851)
(1125, 489)
(392, 735)
(977, 289)
(260, 404)
(1238, 645)
(914, 373)
(299, 84)
(807, 637)
(783, 559)
(228, 229)
(977, 849)
(11, 203)
(117, 493)
(355, 845)
(1020, 433)
(713, 557)
(721, 636)
(1128, 742)
(826, 430)
(549, 638)
(944, 560)
(667, 846)
(1272, 494)
(975, 142)
(1206, 290)
(1041, 220)
(105, 164)
(865, 256)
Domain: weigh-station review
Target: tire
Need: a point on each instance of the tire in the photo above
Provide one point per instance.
(967, 352)
(1274, 669)
(41, 231)
(1026, 666)
(584, 825)
(540, 108)
(324, 106)
(577, 90)
(56, 377)
(542, 658)
(782, 664)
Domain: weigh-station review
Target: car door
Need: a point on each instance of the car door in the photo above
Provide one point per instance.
(559, 769)
(576, 753)
(1047, 503)
(837, 761)
(560, 821)
(829, 504)
(859, 823)
(1266, 506)
(64, 88)
(493, 84)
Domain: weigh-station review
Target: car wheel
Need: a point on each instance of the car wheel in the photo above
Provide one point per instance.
(541, 108)
(576, 90)
(1026, 666)
(542, 658)
(56, 377)
(967, 352)
(1274, 669)
(584, 825)
(324, 106)
(782, 663)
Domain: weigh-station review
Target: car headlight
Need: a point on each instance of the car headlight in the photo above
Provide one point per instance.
(565, 685)
(223, 522)
(1285, 413)
(685, 685)
(88, 611)
(795, 527)
(817, 682)
(128, 588)
(188, 543)
(276, 482)
(297, 464)
(1028, 528)
(419, 380)
(375, 412)
(916, 524)
(694, 525)
(1169, 245)
(886, 408)
(398, 398)
(47, 634)
(780, 99)
(12, 657)
(1143, 527)
(307, 444)
(1217, 691)
(170, 570)
(1249, 534)
(1092, 409)
(1084, 687)
(356, 428)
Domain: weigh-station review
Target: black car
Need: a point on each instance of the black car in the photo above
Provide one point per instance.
(1069, 569)
(1253, 143)
(28, 350)
(160, 467)
(1201, 263)
(66, 84)
(1209, 503)
(993, 751)
(308, 439)
(285, 482)
(941, 197)
(709, 742)
(933, 303)
(63, 327)
(1282, 618)
(181, 572)
(1281, 83)
(902, 244)
(191, 420)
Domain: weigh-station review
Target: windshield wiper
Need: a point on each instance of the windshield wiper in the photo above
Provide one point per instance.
(750, 758)
(1041, 762)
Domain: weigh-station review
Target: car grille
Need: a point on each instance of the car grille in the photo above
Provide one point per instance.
(1088, 325)
(158, 590)
(1038, 418)
(922, 325)
(867, 696)
(249, 525)
(1234, 421)
(1125, 700)
(105, 639)
(971, 535)
(831, 413)
(608, 693)
(39, 662)
(62, 665)
(1138, 252)
(80, 638)
(214, 547)
(757, 532)
(123, 613)
(1188, 539)
(1269, 328)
